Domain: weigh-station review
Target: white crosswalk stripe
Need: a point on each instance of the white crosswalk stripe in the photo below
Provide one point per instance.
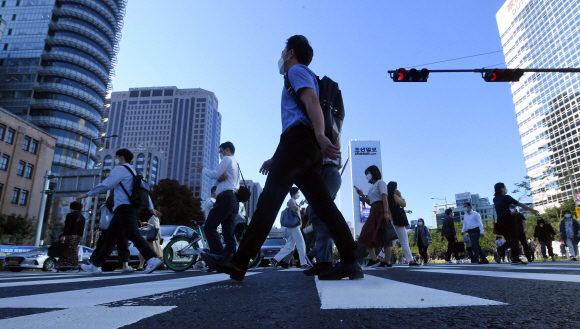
(509, 275)
(85, 278)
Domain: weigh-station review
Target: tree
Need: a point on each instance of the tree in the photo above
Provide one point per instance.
(175, 202)
(18, 226)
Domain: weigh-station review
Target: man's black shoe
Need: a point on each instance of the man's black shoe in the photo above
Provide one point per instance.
(485, 261)
(224, 265)
(319, 268)
(341, 271)
(283, 264)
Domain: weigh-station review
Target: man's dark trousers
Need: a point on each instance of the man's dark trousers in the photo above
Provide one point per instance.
(124, 221)
(297, 160)
(478, 255)
(450, 240)
(123, 252)
(223, 212)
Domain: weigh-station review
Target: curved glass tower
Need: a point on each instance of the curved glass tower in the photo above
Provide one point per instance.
(57, 68)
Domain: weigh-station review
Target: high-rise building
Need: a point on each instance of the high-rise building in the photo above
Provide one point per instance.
(544, 34)
(183, 123)
(360, 156)
(56, 65)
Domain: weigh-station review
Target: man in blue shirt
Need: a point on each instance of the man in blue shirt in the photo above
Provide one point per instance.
(124, 214)
(297, 160)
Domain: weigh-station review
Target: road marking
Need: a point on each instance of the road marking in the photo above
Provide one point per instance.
(510, 275)
(97, 296)
(86, 317)
(87, 278)
(508, 266)
(375, 292)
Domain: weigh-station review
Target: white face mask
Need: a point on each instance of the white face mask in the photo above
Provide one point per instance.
(541, 225)
(568, 216)
(512, 210)
(281, 62)
(420, 223)
(296, 196)
(116, 161)
(369, 177)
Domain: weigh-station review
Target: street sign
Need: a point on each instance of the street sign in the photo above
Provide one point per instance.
(577, 196)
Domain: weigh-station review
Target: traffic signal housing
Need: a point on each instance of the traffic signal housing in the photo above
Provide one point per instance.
(502, 75)
(413, 75)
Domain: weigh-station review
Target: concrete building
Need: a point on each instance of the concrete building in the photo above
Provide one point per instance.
(2, 28)
(256, 189)
(183, 123)
(359, 156)
(544, 34)
(26, 153)
(56, 67)
(481, 205)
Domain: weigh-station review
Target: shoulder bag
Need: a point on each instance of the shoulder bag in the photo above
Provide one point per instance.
(243, 194)
(399, 215)
(389, 233)
(152, 234)
(288, 218)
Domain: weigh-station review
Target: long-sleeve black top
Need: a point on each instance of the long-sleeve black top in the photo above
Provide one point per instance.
(74, 224)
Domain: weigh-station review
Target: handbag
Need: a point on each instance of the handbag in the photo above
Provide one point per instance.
(288, 218)
(457, 246)
(389, 233)
(106, 217)
(152, 234)
(243, 194)
(400, 216)
(58, 249)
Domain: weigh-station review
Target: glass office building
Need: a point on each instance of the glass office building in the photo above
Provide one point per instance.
(182, 123)
(545, 34)
(56, 66)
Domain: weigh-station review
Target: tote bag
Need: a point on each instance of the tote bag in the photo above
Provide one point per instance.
(288, 218)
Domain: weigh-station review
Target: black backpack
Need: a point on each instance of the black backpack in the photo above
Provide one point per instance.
(330, 102)
(139, 196)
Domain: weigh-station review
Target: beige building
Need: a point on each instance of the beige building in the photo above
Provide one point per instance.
(26, 153)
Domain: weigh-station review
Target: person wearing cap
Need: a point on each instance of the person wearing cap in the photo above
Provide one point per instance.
(544, 233)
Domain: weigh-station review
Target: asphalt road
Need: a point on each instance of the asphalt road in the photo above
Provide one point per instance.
(539, 295)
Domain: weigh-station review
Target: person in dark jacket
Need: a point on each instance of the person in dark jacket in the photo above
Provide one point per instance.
(423, 236)
(570, 233)
(74, 226)
(522, 230)
(448, 232)
(545, 234)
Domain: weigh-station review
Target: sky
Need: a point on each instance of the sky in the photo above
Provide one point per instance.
(453, 134)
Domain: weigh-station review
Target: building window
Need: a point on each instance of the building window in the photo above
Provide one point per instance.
(4, 162)
(29, 169)
(23, 198)
(10, 136)
(26, 143)
(33, 146)
(2, 131)
(15, 193)
(20, 171)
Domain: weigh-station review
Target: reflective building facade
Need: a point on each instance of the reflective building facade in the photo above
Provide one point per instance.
(56, 66)
(545, 34)
(182, 123)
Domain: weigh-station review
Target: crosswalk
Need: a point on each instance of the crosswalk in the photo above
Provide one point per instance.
(105, 301)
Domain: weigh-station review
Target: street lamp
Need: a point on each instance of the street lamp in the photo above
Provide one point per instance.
(90, 143)
(567, 169)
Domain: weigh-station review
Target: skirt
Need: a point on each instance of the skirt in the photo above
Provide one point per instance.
(72, 258)
(371, 234)
(156, 248)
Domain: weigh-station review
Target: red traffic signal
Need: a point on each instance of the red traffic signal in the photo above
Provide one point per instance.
(413, 75)
(503, 75)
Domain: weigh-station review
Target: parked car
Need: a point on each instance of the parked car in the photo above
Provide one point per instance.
(168, 232)
(38, 259)
(270, 248)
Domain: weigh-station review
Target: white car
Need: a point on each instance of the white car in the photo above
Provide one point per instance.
(38, 259)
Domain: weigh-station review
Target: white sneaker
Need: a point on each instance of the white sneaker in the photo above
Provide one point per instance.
(128, 269)
(200, 265)
(152, 264)
(91, 269)
(449, 263)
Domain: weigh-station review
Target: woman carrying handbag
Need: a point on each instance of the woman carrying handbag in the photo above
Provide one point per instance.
(397, 211)
(153, 238)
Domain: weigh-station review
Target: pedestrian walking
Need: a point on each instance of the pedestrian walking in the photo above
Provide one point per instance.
(294, 238)
(570, 234)
(152, 225)
(468, 247)
(397, 212)
(208, 204)
(298, 159)
(226, 206)
(372, 232)
(522, 230)
(532, 247)
(499, 251)
(74, 227)
(545, 233)
(506, 223)
(473, 225)
(448, 232)
(125, 214)
(422, 239)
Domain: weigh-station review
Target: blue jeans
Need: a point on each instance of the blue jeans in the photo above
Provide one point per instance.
(223, 212)
(323, 248)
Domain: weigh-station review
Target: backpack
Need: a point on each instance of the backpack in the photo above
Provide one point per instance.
(139, 196)
(330, 102)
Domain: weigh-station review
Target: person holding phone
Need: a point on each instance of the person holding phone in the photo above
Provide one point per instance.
(371, 234)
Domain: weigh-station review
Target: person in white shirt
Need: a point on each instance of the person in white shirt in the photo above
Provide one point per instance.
(125, 214)
(208, 204)
(473, 225)
(226, 204)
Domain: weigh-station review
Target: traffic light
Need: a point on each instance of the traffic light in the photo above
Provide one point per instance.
(502, 75)
(413, 75)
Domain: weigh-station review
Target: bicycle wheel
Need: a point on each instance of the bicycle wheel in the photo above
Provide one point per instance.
(254, 262)
(178, 257)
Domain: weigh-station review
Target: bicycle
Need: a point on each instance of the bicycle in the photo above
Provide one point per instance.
(184, 252)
